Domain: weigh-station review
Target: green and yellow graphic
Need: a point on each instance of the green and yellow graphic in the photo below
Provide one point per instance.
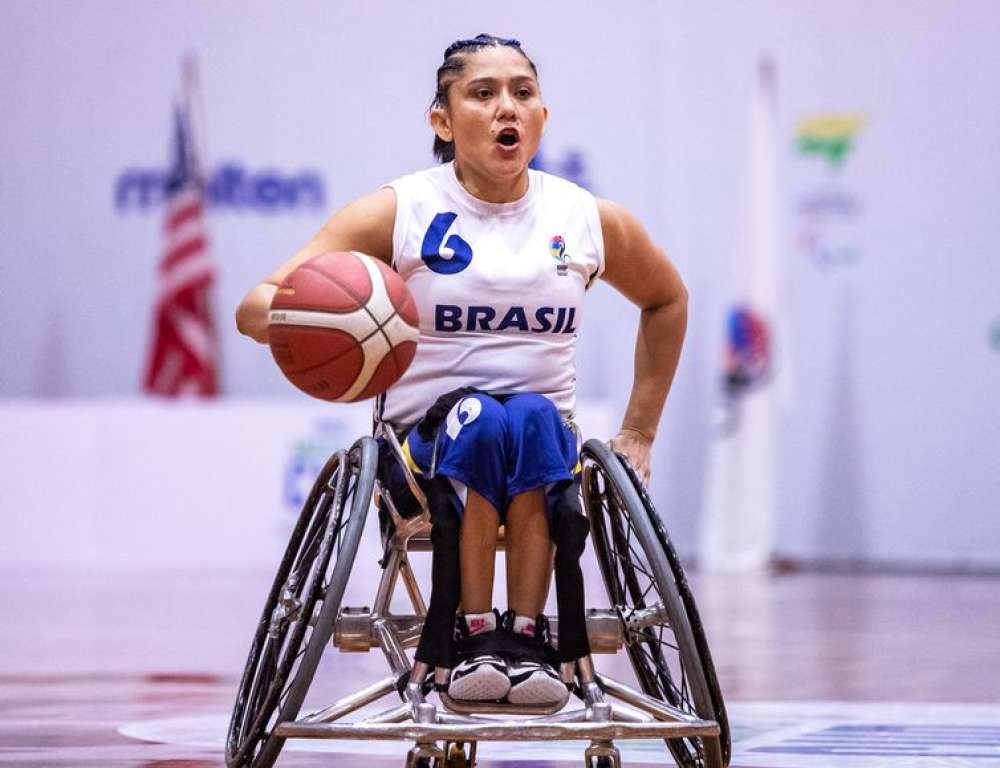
(831, 136)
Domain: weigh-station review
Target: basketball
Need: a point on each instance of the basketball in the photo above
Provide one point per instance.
(343, 327)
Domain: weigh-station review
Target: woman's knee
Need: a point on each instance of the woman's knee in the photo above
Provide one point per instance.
(543, 449)
(532, 410)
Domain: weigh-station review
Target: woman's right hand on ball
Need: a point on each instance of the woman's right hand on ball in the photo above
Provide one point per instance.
(251, 314)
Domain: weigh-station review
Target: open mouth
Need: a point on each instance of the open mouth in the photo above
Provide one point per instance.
(508, 137)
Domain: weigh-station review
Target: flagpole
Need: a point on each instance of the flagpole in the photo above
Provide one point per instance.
(191, 98)
(738, 523)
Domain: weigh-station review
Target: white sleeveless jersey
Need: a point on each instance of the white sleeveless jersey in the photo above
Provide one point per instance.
(499, 288)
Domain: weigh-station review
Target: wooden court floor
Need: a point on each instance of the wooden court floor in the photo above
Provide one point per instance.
(85, 654)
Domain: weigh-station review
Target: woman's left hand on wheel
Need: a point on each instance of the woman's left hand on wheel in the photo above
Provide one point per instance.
(636, 447)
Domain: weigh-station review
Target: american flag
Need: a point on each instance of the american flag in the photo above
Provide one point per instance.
(184, 357)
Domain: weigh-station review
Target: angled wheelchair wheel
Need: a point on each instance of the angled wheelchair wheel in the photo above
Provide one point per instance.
(664, 636)
(302, 606)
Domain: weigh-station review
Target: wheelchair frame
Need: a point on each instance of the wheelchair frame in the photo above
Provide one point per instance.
(691, 717)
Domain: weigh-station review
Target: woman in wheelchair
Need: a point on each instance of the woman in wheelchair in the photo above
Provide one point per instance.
(499, 258)
(505, 460)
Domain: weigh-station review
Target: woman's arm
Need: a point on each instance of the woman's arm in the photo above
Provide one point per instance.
(365, 225)
(643, 274)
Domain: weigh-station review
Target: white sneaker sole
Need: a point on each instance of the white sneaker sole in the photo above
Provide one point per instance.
(485, 684)
(540, 688)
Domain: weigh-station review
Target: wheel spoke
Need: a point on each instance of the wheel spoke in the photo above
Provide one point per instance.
(280, 666)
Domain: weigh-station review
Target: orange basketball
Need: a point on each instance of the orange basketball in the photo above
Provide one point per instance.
(343, 327)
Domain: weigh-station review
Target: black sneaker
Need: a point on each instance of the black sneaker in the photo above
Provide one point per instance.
(480, 674)
(531, 665)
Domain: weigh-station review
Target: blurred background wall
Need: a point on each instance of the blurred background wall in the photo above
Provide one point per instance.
(888, 170)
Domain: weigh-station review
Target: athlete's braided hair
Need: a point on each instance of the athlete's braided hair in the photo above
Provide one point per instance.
(449, 71)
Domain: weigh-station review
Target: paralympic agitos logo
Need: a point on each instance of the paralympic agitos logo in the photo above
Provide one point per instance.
(830, 211)
(230, 185)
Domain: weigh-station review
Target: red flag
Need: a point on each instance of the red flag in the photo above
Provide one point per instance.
(184, 354)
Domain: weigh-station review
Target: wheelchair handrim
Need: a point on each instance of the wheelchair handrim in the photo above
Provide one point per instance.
(282, 701)
(693, 693)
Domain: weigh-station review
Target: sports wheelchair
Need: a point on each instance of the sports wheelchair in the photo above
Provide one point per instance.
(652, 615)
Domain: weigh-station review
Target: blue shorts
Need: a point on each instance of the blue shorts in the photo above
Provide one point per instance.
(499, 446)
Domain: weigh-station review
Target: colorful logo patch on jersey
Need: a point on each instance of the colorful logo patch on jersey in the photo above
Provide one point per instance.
(557, 247)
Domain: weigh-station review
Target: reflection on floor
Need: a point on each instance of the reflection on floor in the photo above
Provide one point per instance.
(130, 669)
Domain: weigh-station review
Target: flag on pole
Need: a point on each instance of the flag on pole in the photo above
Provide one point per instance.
(738, 520)
(183, 358)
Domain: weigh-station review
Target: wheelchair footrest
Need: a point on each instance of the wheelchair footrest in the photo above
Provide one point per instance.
(499, 731)
(496, 708)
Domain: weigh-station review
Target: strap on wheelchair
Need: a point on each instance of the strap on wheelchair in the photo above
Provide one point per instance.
(569, 534)
(570, 529)
(435, 647)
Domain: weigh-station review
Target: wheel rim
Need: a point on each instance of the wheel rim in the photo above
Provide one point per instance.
(694, 619)
(284, 631)
(652, 647)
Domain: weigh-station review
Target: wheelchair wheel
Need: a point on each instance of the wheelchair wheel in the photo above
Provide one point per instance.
(641, 571)
(302, 606)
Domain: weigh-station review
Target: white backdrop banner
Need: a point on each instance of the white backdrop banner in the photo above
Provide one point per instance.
(126, 484)
(887, 184)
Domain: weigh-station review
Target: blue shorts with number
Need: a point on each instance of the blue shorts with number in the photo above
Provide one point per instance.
(499, 446)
